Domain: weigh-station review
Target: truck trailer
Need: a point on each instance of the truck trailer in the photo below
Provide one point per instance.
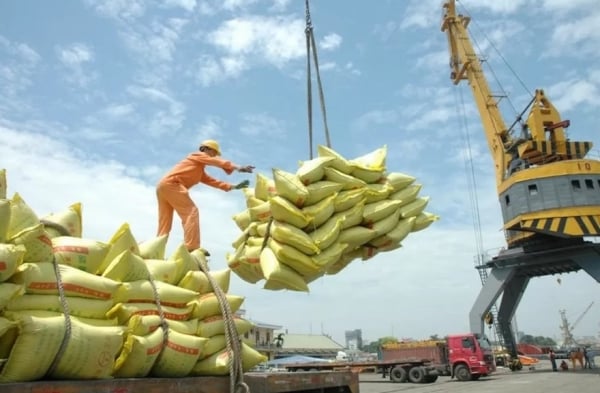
(399, 370)
(343, 381)
(464, 356)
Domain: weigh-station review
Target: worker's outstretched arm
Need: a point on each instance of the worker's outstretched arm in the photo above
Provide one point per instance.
(221, 185)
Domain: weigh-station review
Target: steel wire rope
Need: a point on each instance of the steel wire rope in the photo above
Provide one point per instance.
(234, 351)
(311, 44)
(66, 312)
(491, 69)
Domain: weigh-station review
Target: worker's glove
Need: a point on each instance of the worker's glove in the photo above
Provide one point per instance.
(241, 185)
(246, 169)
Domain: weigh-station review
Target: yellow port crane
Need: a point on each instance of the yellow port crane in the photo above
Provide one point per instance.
(546, 186)
(548, 189)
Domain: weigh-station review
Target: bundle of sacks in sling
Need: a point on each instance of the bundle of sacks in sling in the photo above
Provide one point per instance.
(300, 226)
(126, 311)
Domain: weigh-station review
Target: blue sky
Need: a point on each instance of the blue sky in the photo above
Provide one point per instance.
(99, 98)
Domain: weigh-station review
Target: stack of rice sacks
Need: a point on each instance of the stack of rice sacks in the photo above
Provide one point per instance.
(300, 226)
(132, 312)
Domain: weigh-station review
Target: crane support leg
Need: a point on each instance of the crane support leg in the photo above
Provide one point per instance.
(493, 287)
(513, 292)
(590, 262)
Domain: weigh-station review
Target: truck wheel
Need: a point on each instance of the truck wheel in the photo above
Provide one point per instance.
(398, 374)
(462, 373)
(431, 378)
(416, 374)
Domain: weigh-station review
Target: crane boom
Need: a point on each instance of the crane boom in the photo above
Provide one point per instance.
(548, 190)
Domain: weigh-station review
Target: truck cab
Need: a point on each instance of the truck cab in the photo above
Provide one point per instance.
(470, 356)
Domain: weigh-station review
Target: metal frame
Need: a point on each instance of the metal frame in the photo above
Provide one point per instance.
(511, 271)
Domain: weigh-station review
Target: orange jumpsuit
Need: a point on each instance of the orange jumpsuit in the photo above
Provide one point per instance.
(172, 194)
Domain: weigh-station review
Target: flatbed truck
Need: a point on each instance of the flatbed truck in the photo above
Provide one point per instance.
(342, 381)
(404, 370)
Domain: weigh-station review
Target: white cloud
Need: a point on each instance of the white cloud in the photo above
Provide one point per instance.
(231, 5)
(211, 128)
(76, 54)
(17, 67)
(498, 6)
(562, 5)
(209, 70)
(376, 117)
(573, 93)
(75, 58)
(578, 37)
(331, 41)
(168, 115)
(276, 40)
(188, 5)
(280, 5)
(156, 43)
(119, 9)
(118, 111)
(262, 125)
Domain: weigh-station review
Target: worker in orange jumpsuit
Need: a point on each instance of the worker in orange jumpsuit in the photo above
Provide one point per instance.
(173, 195)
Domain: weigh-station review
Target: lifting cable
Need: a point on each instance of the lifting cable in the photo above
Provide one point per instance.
(310, 44)
(234, 344)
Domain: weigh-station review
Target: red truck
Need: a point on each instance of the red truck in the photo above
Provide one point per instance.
(464, 356)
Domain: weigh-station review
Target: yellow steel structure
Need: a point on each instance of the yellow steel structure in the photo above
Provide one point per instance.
(547, 187)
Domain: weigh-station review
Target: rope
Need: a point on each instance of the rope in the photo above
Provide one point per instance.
(308, 33)
(63, 301)
(161, 314)
(267, 233)
(236, 372)
(310, 42)
(59, 228)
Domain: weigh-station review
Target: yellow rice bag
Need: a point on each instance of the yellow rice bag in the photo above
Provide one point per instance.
(198, 282)
(83, 254)
(265, 187)
(312, 171)
(292, 236)
(39, 278)
(142, 291)
(38, 245)
(180, 355)
(68, 219)
(4, 219)
(293, 258)
(139, 354)
(285, 211)
(290, 187)
(78, 306)
(142, 325)
(218, 363)
(215, 325)
(339, 162)
(121, 240)
(423, 220)
(11, 257)
(154, 248)
(127, 266)
(207, 305)
(22, 218)
(348, 182)
(279, 273)
(2, 183)
(398, 180)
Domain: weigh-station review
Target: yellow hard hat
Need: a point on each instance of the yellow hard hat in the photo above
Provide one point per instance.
(211, 143)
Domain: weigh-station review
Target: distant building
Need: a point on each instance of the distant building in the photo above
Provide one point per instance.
(318, 346)
(261, 336)
(354, 339)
